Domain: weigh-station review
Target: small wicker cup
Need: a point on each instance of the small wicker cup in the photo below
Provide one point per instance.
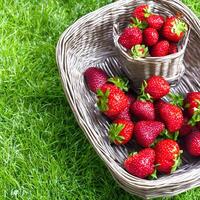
(89, 42)
(137, 69)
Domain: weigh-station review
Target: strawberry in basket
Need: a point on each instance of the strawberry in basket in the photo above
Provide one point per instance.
(193, 143)
(162, 33)
(155, 21)
(174, 29)
(141, 164)
(121, 131)
(142, 12)
(167, 157)
(131, 37)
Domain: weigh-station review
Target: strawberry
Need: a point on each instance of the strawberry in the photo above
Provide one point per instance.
(155, 21)
(121, 131)
(160, 49)
(111, 100)
(193, 143)
(141, 164)
(192, 106)
(173, 48)
(174, 29)
(139, 51)
(130, 37)
(150, 36)
(172, 116)
(143, 110)
(167, 157)
(125, 114)
(156, 86)
(186, 128)
(142, 12)
(146, 132)
(95, 78)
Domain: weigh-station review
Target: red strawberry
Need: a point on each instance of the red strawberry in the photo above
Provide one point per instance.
(142, 12)
(143, 110)
(95, 78)
(157, 87)
(111, 100)
(167, 156)
(186, 128)
(121, 131)
(160, 49)
(125, 114)
(147, 131)
(173, 48)
(156, 21)
(192, 103)
(150, 36)
(193, 143)
(130, 37)
(141, 164)
(172, 116)
(174, 29)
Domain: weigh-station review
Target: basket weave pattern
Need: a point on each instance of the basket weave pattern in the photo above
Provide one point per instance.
(88, 42)
(171, 67)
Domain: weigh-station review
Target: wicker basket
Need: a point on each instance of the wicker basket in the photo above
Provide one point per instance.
(88, 42)
(171, 67)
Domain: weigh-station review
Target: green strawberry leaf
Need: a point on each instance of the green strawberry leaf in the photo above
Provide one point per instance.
(176, 134)
(167, 135)
(177, 162)
(139, 51)
(179, 27)
(132, 154)
(121, 82)
(143, 96)
(103, 100)
(114, 132)
(176, 99)
(153, 176)
(147, 12)
(196, 116)
(137, 23)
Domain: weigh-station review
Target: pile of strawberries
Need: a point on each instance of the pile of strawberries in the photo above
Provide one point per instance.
(151, 34)
(162, 130)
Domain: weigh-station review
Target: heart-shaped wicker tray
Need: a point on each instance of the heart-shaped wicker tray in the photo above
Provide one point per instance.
(88, 42)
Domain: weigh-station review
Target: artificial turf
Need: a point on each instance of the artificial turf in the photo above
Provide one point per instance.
(43, 152)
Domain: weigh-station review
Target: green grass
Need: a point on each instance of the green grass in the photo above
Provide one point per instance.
(43, 152)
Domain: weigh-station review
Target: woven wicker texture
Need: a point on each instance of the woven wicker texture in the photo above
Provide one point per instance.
(171, 67)
(88, 42)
